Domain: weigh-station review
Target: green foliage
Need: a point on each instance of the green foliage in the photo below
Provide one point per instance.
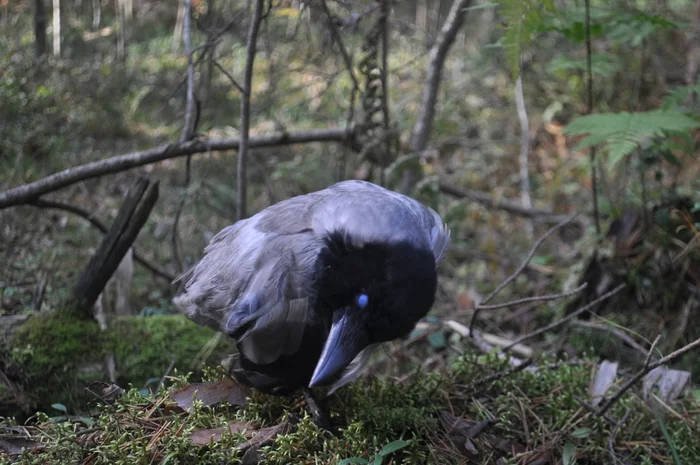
(523, 19)
(622, 133)
(603, 65)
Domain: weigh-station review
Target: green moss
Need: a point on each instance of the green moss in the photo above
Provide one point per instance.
(537, 409)
(59, 356)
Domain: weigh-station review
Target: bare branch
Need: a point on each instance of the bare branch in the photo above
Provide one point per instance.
(245, 106)
(27, 193)
(537, 298)
(188, 128)
(488, 201)
(346, 58)
(613, 435)
(228, 75)
(569, 317)
(615, 332)
(516, 273)
(648, 367)
(94, 221)
(438, 53)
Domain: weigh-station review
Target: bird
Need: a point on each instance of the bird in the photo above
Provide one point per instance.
(310, 287)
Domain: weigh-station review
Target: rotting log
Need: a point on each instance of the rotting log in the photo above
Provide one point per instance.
(131, 217)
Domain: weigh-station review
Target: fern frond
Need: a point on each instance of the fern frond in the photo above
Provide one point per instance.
(619, 134)
(523, 18)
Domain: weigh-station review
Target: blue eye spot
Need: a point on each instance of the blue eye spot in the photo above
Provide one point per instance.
(362, 300)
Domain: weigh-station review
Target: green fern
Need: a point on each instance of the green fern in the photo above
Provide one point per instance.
(622, 133)
(523, 19)
(679, 97)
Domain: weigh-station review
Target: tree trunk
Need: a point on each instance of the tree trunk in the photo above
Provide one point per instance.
(57, 28)
(121, 28)
(119, 239)
(40, 28)
(96, 13)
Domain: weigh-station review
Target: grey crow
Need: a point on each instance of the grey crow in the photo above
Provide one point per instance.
(309, 287)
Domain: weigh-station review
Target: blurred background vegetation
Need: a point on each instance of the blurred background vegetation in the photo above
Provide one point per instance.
(110, 78)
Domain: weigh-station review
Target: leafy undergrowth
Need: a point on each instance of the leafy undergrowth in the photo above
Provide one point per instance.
(535, 415)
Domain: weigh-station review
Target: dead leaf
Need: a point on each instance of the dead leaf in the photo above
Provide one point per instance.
(204, 437)
(604, 380)
(15, 446)
(671, 384)
(264, 436)
(210, 394)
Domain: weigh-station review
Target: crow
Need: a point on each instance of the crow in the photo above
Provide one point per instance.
(309, 287)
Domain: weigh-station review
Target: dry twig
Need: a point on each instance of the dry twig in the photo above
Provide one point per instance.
(346, 59)
(516, 273)
(613, 435)
(90, 217)
(647, 368)
(567, 318)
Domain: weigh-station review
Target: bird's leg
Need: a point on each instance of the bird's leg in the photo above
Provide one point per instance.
(321, 417)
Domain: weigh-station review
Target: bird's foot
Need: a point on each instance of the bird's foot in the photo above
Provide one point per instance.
(321, 418)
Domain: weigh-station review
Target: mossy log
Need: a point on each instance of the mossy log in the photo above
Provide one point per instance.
(52, 358)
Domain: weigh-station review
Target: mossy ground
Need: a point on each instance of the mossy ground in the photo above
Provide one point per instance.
(53, 358)
(537, 410)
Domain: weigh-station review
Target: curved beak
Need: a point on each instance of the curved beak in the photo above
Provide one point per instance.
(346, 339)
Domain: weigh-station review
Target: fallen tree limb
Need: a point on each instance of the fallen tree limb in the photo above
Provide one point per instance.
(490, 202)
(131, 217)
(29, 192)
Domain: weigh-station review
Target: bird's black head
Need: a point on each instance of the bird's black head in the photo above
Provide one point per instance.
(371, 293)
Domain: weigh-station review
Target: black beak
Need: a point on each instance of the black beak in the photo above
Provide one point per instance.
(346, 339)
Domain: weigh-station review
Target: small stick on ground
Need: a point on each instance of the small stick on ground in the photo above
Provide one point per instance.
(567, 318)
(613, 435)
(647, 368)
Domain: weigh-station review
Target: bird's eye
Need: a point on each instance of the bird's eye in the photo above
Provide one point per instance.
(362, 300)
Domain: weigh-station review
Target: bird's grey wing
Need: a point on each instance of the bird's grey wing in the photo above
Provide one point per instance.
(370, 213)
(254, 284)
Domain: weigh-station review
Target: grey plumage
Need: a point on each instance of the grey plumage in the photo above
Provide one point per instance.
(255, 278)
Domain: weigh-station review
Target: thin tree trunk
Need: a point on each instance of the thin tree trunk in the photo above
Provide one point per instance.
(179, 24)
(40, 28)
(121, 28)
(438, 53)
(422, 15)
(524, 147)
(96, 13)
(56, 28)
(245, 107)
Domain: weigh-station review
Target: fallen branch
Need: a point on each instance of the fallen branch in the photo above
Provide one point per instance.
(29, 192)
(126, 226)
(647, 368)
(505, 205)
(569, 317)
(98, 224)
